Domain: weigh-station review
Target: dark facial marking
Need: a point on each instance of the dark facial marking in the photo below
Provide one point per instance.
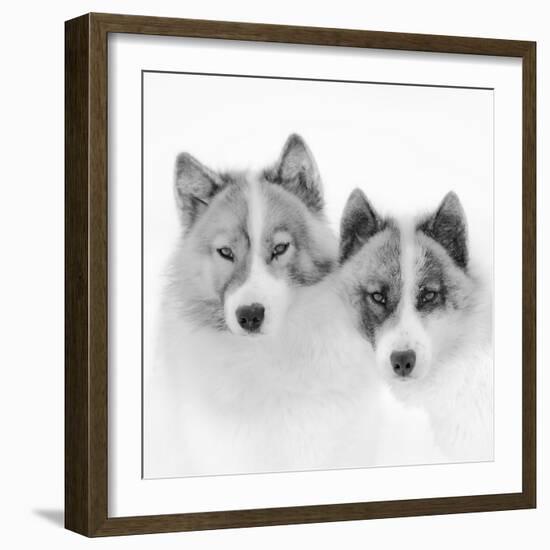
(375, 314)
(431, 292)
(378, 289)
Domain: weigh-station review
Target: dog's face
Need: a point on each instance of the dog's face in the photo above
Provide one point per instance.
(252, 239)
(408, 285)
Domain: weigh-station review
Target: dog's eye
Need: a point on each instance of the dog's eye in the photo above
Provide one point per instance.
(428, 296)
(378, 298)
(226, 253)
(279, 250)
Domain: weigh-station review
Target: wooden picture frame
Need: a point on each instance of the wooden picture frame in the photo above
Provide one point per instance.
(86, 283)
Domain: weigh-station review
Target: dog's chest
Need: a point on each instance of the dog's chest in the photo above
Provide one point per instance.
(284, 432)
(461, 408)
(267, 407)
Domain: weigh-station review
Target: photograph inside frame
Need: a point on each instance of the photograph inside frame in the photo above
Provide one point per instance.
(317, 271)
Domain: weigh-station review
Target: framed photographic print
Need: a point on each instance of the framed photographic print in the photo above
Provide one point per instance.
(300, 275)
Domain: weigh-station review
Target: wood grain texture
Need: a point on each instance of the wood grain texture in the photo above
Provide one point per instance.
(86, 258)
(529, 275)
(165, 26)
(77, 153)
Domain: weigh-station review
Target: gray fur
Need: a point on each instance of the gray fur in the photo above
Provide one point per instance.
(194, 187)
(370, 252)
(206, 313)
(374, 268)
(386, 279)
(437, 270)
(447, 226)
(227, 213)
(296, 171)
(309, 263)
(359, 223)
(431, 277)
(214, 207)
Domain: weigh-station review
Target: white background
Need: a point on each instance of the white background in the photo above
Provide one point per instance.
(405, 146)
(31, 214)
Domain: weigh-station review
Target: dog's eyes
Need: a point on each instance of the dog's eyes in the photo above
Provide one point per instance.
(279, 250)
(226, 253)
(378, 298)
(428, 296)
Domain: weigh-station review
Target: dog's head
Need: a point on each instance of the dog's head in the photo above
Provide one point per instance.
(251, 239)
(408, 284)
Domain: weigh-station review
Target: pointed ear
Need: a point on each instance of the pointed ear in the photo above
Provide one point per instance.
(194, 187)
(297, 172)
(448, 227)
(359, 223)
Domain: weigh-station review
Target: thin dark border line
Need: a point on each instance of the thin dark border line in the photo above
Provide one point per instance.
(305, 79)
(142, 286)
(494, 287)
(142, 125)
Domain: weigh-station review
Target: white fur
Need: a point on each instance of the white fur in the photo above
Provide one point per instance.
(298, 396)
(458, 398)
(408, 332)
(453, 377)
(303, 400)
(260, 286)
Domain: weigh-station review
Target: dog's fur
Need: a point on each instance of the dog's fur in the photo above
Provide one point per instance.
(293, 394)
(304, 387)
(414, 290)
(247, 216)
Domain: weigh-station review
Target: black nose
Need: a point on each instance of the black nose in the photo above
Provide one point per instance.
(251, 317)
(403, 362)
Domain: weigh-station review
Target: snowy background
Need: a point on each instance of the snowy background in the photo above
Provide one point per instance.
(405, 146)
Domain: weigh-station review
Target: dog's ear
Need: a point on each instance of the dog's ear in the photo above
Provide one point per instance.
(447, 226)
(296, 171)
(194, 187)
(360, 222)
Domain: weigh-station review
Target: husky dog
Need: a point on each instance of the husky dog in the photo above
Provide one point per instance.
(250, 241)
(255, 369)
(427, 317)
